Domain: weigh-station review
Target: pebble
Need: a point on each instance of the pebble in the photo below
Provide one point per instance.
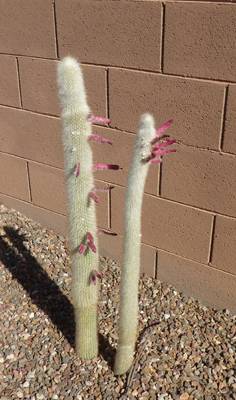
(190, 354)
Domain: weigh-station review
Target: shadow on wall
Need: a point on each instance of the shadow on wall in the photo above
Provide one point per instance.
(43, 291)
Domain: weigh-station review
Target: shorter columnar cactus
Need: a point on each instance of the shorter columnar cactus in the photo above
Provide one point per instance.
(146, 151)
(77, 121)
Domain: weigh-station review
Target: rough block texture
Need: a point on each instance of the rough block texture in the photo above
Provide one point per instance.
(205, 179)
(121, 33)
(27, 28)
(195, 106)
(200, 40)
(14, 170)
(9, 87)
(174, 59)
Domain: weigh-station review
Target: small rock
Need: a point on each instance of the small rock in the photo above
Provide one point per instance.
(184, 396)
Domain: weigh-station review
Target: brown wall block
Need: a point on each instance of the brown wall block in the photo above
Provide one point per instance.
(200, 178)
(38, 85)
(199, 40)
(169, 226)
(120, 153)
(95, 81)
(119, 33)
(148, 260)
(14, 177)
(27, 28)
(176, 228)
(111, 246)
(229, 138)
(32, 136)
(48, 187)
(102, 209)
(195, 107)
(209, 285)
(224, 244)
(58, 223)
(9, 87)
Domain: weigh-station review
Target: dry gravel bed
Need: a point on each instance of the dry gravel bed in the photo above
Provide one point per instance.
(185, 350)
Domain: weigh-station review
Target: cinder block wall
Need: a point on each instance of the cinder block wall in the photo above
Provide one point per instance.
(176, 60)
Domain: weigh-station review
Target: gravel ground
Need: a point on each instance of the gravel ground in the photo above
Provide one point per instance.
(185, 350)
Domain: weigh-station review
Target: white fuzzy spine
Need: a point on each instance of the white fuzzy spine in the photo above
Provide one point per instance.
(128, 313)
(81, 208)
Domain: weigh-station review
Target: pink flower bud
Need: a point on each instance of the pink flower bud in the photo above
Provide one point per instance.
(92, 247)
(82, 248)
(95, 275)
(77, 170)
(105, 166)
(90, 237)
(99, 139)
(94, 197)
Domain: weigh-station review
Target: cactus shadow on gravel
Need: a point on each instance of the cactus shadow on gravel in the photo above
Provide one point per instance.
(43, 291)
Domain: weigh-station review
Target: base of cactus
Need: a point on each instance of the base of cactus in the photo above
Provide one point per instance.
(86, 336)
(123, 359)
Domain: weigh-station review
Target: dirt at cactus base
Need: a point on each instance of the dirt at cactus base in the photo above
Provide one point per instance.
(185, 350)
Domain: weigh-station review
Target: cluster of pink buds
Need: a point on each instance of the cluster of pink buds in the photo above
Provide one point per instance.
(95, 274)
(89, 243)
(157, 148)
(89, 238)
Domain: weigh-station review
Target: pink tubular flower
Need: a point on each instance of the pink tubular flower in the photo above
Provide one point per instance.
(164, 127)
(156, 160)
(94, 275)
(77, 170)
(165, 144)
(92, 247)
(82, 248)
(92, 118)
(99, 139)
(103, 188)
(161, 152)
(94, 197)
(105, 166)
(106, 232)
(90, 237)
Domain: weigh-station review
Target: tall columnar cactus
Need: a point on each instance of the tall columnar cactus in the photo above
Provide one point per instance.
(145, 152)
(77, 120)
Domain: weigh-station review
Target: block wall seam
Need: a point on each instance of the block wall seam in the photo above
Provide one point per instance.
(147, 71)
(107, 94)
(29, 184)
(224, 110)
(19, 83)
(211, 240)
(55, 28)
(162, 35)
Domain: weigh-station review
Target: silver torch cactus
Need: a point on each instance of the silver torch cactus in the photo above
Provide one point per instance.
(81, 197)
(146, 151)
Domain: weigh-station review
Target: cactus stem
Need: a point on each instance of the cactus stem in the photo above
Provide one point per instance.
(77, 170)
(105, 166)
(95, 275)
(163, 127)
(94, 197)
(99, 139)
